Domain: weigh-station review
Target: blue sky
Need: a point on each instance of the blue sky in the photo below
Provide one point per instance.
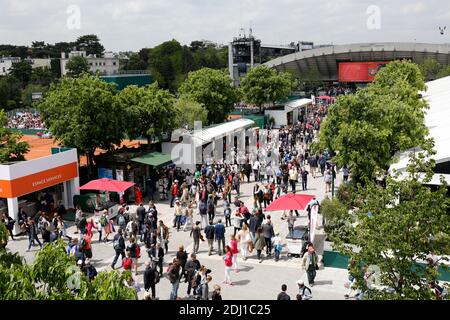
(131, 25)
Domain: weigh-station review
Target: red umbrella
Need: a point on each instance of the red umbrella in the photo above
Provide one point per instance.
(290, 201)
(105, 184)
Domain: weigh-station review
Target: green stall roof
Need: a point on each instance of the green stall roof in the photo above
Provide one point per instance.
(154, 159)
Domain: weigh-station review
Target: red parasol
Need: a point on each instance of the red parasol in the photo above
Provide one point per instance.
(290, 201)
(105, 184)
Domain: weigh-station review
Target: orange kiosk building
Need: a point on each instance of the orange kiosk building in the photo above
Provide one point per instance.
(19, 179)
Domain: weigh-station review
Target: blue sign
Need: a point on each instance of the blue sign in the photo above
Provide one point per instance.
(105, 173)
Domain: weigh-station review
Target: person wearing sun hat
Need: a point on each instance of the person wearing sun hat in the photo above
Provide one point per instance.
(304, 291)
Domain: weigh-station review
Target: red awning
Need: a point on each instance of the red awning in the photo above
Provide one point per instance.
(290, 201)
(105, 184)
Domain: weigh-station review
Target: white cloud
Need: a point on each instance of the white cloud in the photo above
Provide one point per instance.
(131, 25)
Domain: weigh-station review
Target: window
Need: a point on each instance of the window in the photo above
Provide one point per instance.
(114, 63)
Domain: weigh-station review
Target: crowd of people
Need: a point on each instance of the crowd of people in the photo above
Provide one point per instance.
(26, 120)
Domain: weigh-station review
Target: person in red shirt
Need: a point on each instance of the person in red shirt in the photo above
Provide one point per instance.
(234, 251)
(86, 246)
(174, 192)
(138, 195)
(228, 264)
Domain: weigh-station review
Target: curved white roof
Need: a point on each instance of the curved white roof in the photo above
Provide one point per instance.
(437, 120)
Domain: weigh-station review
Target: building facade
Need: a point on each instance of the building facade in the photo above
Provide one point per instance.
(107, 65)
(6, 64)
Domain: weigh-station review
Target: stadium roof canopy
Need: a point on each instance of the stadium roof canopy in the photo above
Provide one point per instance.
(326, 59)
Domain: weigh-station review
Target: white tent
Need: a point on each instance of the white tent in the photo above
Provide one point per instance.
(437, 120)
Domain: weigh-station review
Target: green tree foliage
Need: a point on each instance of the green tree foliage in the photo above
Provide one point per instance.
(54, 276)
(134, 62)
(76, 66)
(150, 110)
(28, 91)
(398, 226)
(22, 71)
(430, 68)
(263, 85)
(166, 62)
(444, 72)
(91, 44)
(368, 128)
(42, 76)
(212, 89)
(10, 147)
(190, 111)
(10, 93)
(338, 220)
(81, 113)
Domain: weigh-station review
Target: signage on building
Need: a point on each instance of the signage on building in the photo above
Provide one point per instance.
(359, 71)
(38, 181)
(35, 96)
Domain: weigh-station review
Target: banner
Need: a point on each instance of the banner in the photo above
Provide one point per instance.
(359, 71)
(313, 222)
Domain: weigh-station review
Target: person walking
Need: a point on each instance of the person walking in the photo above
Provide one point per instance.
(304, 291)
(151, 277)
(182, 257)
(293, 177)
(304, 175)
(228, 264)
(277, 246)
(346, 173)
(135, 253)
(173, 273)
(268, 233)
(189, 214)
(105, 225)
(209, 235)
(177, 215)
(32, 233)
(173, 192)
(234, 251)
(310, 264)
(157, 255)
(119, 247)
(259, 243)
(283, 295)
(203, 211)
(162, 232)
(219, 232)
(197, 236)
(290, 219)
(227, 214)
(211, 208)
(245, 240)
(192, 267)
(327, 179)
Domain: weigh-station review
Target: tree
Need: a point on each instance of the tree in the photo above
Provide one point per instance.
(42, 76)
(27, 93)
(212, 89)
(149, 110)
(10, 147)
(429, 68)
(444, 72)
(368, 128)
(398, 227)
(263, 84)
(91, 44)
(77, 65)
(166, 62)
(10, 92)
(54, 276)
(81, 113)
(135, 63)
(338, 220)
(190, 111)
(22, 71)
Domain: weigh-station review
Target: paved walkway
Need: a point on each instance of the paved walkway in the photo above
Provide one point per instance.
(253, 281)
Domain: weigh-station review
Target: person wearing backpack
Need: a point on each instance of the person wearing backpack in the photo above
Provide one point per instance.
(105, 225)
(121, 221)
(211, 208)
(151, 278)
(203, 213)
(135, 253)
(228, 264)
(119, 247)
